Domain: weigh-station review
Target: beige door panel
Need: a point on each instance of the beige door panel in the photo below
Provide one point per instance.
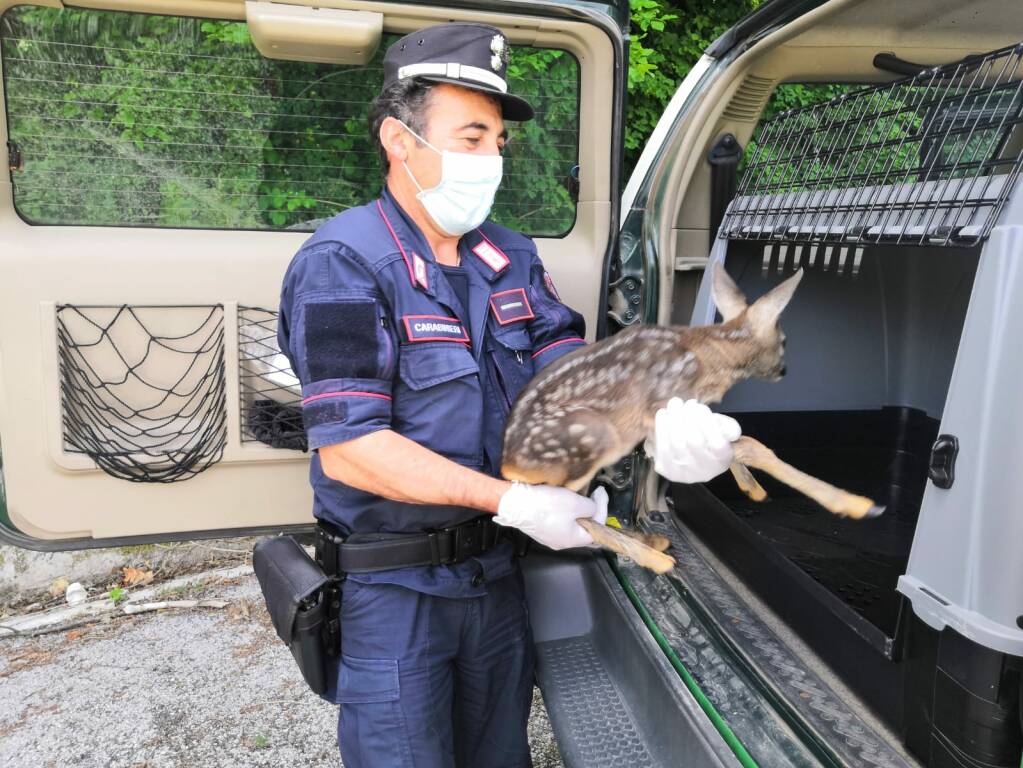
(51, 491)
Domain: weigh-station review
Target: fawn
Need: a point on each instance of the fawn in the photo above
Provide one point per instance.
(591, 407)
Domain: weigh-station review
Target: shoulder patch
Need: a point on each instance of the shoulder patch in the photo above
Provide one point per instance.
(419, 268)
(340, 340)
(492, 256)
(511, 306)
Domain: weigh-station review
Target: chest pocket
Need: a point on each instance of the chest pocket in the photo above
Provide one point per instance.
(438, 401)
(510, 364)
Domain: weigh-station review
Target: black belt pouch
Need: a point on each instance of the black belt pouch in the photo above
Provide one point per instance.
(302, 601)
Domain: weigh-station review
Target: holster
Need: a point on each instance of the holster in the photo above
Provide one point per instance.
(304, 606)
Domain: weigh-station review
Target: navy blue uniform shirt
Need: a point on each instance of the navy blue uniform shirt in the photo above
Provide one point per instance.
(373, 330)
(458, 279)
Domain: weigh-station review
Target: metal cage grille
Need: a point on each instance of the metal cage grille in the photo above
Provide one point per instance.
(925, 160)
(269, 392)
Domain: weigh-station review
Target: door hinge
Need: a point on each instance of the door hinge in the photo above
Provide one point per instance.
(626, 299)
(619, 474)
(942, 467)
(625, 293)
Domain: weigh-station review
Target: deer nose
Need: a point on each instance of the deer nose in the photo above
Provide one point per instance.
(783, 371)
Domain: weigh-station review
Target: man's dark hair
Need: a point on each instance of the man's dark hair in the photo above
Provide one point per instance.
(405, 100)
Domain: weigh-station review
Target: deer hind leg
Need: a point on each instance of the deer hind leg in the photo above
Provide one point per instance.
(835, 500)
(652, 540)
(590, 442)
(628, 546)
(534, 475)
(569, 453)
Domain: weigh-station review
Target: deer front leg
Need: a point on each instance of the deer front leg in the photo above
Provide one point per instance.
(757, 455)
(746, 482)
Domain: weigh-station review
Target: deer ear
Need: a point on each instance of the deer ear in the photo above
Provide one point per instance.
(727, 296)
(766, 310)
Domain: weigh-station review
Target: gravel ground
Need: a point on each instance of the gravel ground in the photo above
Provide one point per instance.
(201, 687)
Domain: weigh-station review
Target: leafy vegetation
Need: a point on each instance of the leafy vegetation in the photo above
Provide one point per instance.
(260, 741)
(165, 121)
(668, 38)
(144, 120)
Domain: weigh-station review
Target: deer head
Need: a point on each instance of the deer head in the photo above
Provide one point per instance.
(755, 325)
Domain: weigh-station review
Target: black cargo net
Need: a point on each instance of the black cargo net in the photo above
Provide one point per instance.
(926, 160)
(142, 388)
(270, 393)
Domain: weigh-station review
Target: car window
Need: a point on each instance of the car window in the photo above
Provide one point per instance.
(788, 96)
(125, 119)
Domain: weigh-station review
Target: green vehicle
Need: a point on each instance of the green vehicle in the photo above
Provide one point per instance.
(167, 158)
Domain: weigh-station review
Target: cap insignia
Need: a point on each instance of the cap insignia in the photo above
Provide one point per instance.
(500, 51)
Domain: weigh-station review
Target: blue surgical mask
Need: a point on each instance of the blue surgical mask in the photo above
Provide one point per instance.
(465, 194)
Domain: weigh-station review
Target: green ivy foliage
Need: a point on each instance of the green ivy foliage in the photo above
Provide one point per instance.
(667, 39)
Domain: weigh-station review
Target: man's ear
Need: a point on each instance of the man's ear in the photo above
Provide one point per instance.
(765, 311)
(394, 139)
(727, 296)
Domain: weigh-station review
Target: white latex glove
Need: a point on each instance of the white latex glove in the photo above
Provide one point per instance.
(548, 514)
(691, 444)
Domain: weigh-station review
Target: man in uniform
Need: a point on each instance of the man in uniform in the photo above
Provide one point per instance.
(413, 323)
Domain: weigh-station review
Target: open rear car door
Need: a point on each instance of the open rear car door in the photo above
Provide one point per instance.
(167, 159)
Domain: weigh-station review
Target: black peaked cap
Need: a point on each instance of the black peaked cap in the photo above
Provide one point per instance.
(468, 55)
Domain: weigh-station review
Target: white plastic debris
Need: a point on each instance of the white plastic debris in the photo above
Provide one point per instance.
(75, 594)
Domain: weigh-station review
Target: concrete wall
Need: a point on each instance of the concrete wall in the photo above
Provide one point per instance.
(25, 576)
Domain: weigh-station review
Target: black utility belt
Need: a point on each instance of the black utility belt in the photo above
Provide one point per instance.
(303, 596)
(365, 553)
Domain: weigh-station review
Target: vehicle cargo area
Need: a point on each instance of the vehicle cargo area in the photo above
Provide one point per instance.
(900, 203)
(869, 358)
(870, 355)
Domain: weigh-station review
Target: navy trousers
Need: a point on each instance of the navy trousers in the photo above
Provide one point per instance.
(434, 682)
